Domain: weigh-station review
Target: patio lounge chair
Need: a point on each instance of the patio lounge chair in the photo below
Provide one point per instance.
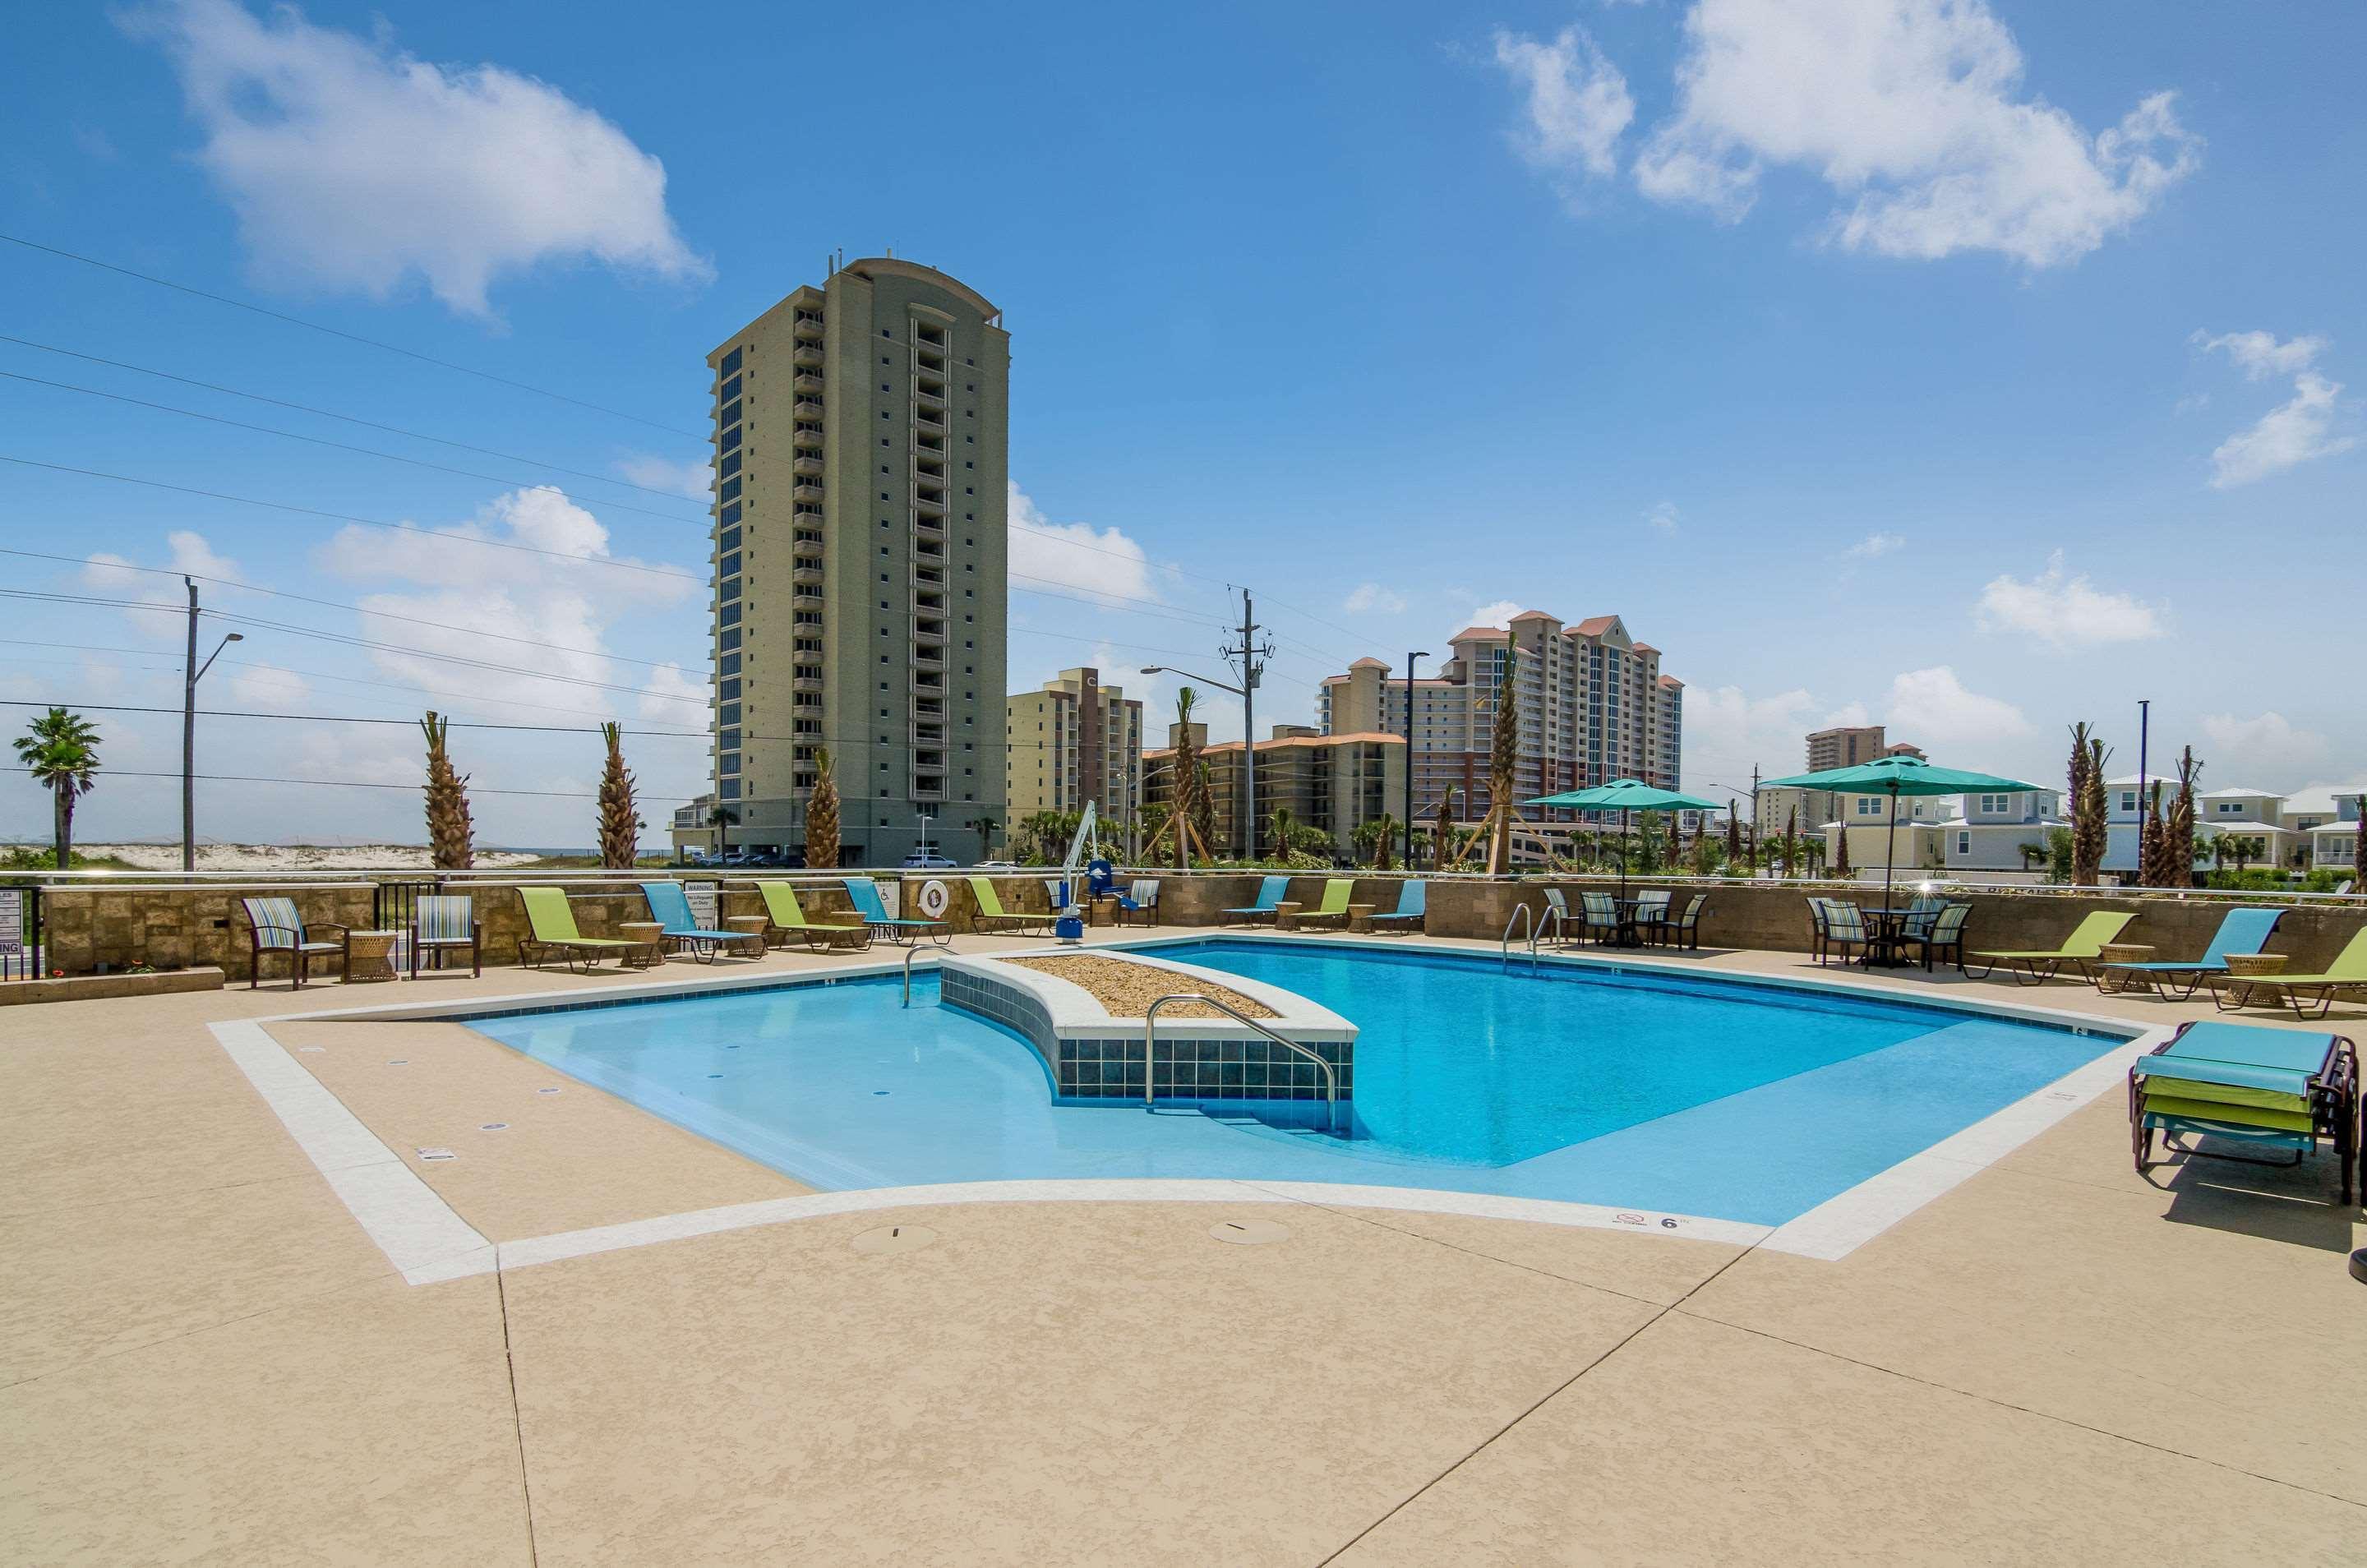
(1413, 905)
(1684, 931)
(992, 917)
(2242, 930)
(2348, 972)
(1944, 937)
(550, 927)
(788, 915)
(2246, 1084)
(903, 929)
(1844, 929)
(1269, 892)
(1141, 900)
(447, 923)
(670, 907)
(2035, 967)
(1334, 906)
(274, 926)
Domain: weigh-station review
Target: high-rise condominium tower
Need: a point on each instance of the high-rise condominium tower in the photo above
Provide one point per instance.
(861, 434)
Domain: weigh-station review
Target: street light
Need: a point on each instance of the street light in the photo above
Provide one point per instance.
(1408, 762)
(190, 733)
(1249, 755)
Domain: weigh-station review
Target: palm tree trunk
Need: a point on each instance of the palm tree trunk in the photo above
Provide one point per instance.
(61, 811)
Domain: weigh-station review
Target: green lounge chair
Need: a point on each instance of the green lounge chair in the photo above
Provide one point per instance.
(1334, 906)
(992, 917)
(901, 930)
(1413, 908)
(2035, 967)
(782, 906)
(2240, 932)
(669, 907)
(2246, 1084)
(2348, 972)
(550, 926)
(274, 926)
(1269, 892)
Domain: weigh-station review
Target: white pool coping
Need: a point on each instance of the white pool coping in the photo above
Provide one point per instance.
(1076, 1013)
(427, 1241)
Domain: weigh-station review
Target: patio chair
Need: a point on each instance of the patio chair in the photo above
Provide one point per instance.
(447, 923)
(1684, 931)
(2241, 931)
(1599, 918)
(274, 926)
(2348, 972)
(1652, 912)
(1142, 899)
(550, 930)
(1269, 892)
(669, 907)
(1565, 919)
(992, 917)
(1333, 909)
(1922, 914)
(1410, 915)
(781, 907)
(1816, 934)
(1943, 938)
(1845, 929)
(2246, 1084)
(901, 930)
(2082, 948)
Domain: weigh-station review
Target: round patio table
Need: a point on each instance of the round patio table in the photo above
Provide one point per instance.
(1888, 923)
(650, 934)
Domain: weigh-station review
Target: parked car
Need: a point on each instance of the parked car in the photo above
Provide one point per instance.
(1000, 865)
(928, 860)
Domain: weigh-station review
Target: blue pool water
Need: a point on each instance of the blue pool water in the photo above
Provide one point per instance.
(1735, 1101)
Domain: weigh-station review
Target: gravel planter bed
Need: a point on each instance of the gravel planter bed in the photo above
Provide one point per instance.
(1126, 989)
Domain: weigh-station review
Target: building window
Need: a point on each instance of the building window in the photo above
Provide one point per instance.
(727, 789)
(731, 465)
(730, 589)
(731, 363)
(730, 638)
(731, 613)
(730, 540)
(731, 513)
(730, 391)
(730, 491)
(730, 762)
(731, 415)
(1964, 843)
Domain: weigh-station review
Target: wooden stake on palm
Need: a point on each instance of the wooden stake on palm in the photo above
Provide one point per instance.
(448, 826)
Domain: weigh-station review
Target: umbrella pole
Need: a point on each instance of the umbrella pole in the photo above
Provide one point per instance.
(1890, 844)
(1623, 852)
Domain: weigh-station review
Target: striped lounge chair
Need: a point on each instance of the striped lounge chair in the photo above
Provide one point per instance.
(274, 926)
(447, 923)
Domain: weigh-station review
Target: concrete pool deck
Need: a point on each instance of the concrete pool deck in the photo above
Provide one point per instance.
(206, 1358)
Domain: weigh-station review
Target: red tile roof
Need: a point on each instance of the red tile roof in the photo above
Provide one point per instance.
(1481, 634)
(1593, 626)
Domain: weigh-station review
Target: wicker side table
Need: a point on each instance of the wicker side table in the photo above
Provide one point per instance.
(1359, 918)
(752, 925)
(1286, 915)
(650, 934)
(2121, 953)
(2244, 965)
(369, 955)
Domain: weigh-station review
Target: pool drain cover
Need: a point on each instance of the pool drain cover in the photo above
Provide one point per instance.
(895, 1238)
(1249, 1232)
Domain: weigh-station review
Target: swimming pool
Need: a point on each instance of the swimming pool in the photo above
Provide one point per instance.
(1603, 1086)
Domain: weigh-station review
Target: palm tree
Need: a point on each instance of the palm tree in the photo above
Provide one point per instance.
(2087, 815)
(725, 820)
(1840, 854)
(2179, 851)
(1733, 836)
(821, 814)
(61, 751)
(984, 828)
(1442, 832)
(1791, 843)
(621, 829)
(2153, 842)
(449, 827)
(1504, 758)
(1385, 841)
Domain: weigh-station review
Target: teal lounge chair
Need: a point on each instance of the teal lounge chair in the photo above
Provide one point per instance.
(669, 907)
(2244, 931)
(901, 930)
(1270, 894)
(1413, 905)
(2244, 1084)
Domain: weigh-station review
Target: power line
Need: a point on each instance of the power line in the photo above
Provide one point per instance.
(349, 337)
(440, 536)
(334, 446)
(346, 418)
(366, 784)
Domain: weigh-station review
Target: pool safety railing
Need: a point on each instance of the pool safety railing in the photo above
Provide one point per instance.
(1149, 1045)
(1526, 917)
(911, 952)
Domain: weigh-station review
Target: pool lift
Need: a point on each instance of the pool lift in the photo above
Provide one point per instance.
(1068, 909)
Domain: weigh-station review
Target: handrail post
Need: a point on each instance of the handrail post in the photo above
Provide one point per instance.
(1150, 1035)
(910, 953)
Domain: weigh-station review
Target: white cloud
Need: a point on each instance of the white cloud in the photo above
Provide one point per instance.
(1933, 709)
(355, 165)
(1371, 597)
(1498, 613)
(690, 477)
(1913, 112)
(2063, 611)
(2259, 354)
(668, 695)
(2267, 746)
(268, 687)
(1663, 517)
(116, 577)
(2286, 437)
(1071, 557)
(1576, 102)
(1728, 732)
(1875, 545)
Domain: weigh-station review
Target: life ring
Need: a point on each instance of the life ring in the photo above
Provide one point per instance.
(933, 898)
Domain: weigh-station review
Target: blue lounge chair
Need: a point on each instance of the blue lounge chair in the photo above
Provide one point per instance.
(901, 930)
(2246, 1084)
(1413, 905)
(1270, 894)
(2244, 931)
(669, 907)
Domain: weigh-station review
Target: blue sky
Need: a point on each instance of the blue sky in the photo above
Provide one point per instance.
(1975, 367)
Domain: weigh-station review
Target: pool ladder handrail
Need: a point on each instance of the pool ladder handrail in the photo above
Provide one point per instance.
(1525, 915)
(1149, 1038)
(910, 953)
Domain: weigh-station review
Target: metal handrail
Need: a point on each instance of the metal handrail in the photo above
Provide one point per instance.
(1150, 1039)
(910, 953)
(1556, 916)
(1521, 914)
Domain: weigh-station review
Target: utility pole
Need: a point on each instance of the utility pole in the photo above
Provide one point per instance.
(191, 674)
(1754, 820)
(1250, 659)
(1408, 762)
(2145, 812)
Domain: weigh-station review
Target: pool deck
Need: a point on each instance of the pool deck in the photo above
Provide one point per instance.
(204, 1357)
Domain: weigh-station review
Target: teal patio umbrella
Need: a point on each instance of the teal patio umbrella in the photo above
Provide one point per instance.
(1895, 776)
(1624, 795)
